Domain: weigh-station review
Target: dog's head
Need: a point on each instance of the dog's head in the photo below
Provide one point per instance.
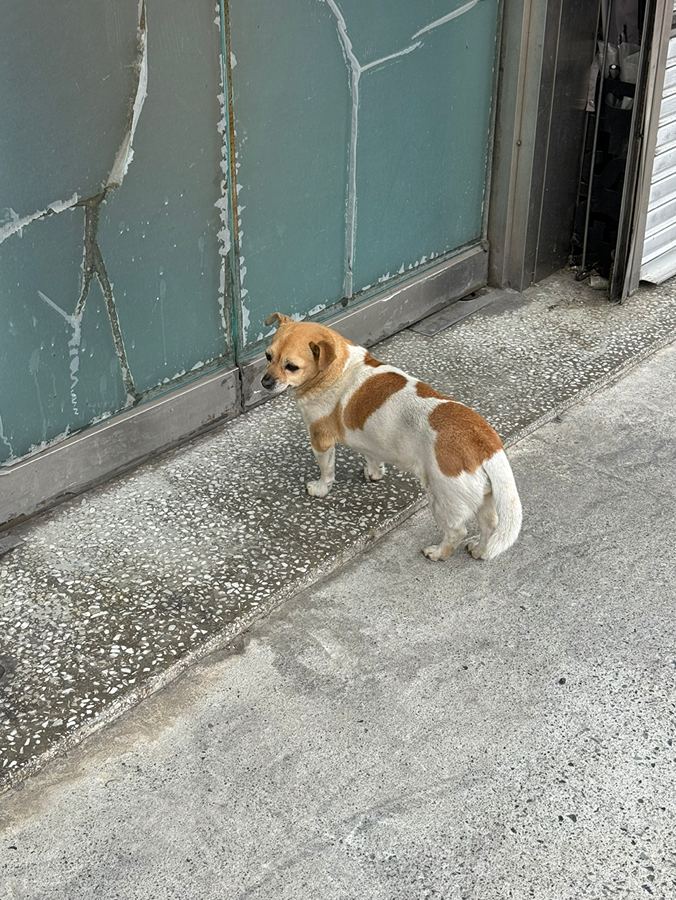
(300, 353)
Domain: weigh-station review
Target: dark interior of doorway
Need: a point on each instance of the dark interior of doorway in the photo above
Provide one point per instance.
(611, 111)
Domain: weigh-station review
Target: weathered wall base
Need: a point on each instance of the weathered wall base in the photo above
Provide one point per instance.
(384, 315)
(102, 451)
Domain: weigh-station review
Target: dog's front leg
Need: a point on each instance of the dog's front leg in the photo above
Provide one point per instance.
(327, 465)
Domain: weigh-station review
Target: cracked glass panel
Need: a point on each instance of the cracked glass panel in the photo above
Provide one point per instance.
(56, 374)
(361, 137)
(66, 75)
(430, 109)
(291, 101)
(113, 226)
(158, 233)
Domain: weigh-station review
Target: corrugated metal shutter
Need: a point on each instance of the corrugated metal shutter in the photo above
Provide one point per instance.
(659, 248)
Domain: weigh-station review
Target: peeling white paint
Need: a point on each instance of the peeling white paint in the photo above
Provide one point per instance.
(316, 309)
(17, 223)
(45, 445)
(246, 315)
(447, 18)
(73, 345)
(246, 319)
(125, 154)
(5, 440)
(98, 419)
(377, 62)
(198, 365)
(224, 234)
(351, 208)
(241, 268)
(223, 206)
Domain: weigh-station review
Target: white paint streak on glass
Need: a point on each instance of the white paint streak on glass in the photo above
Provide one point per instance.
(377, 62)
(5, 440)
(73, 345)
(224, 242)
(125, 154)
(246, 318)
(351, 211)
(17, 224)
(447, 18)
(246, 315)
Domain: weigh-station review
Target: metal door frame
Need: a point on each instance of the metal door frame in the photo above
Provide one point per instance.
(635, 211)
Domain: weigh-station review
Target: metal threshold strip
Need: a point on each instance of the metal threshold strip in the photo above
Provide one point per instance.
(457, 311)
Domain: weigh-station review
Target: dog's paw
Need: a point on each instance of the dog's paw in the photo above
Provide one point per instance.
(474, 549)
(318, 488)
(438, 552)
(374, 473)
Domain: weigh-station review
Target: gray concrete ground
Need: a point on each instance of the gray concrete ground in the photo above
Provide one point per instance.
(408, 730)
(113, 594)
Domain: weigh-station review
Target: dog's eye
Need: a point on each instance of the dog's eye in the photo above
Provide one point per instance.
(268, 357)
(291, 367)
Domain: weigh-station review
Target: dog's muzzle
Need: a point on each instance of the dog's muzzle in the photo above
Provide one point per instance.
(268, 382)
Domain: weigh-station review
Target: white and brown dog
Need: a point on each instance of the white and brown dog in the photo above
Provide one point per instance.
(345, 395)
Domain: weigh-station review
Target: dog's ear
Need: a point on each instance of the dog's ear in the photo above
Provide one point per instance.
(324, 352)
(277, 318)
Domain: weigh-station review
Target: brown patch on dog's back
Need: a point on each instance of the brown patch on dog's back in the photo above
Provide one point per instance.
(425, 391)
(464, 440)
(370, 361)
(371, 396)
(327, 430)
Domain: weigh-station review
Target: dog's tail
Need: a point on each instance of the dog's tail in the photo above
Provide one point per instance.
(507, 504)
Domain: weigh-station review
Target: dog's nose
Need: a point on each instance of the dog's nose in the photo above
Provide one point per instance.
(268, 381)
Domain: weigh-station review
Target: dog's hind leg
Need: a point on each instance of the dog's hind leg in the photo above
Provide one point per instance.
(451, 539)
(453, 527)
(373, 470)
(487, 518)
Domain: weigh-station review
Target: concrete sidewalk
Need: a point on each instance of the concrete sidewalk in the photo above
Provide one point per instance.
(406, 730)
(115, 593)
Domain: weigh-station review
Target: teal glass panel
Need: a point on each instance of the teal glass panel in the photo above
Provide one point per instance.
(114, 277)
(158, 232)
(422, 144)
(291, 98)
(362, 130)
(58, 372)
(66, 76)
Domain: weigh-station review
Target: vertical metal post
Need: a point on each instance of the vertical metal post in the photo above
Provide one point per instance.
(599, 101)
